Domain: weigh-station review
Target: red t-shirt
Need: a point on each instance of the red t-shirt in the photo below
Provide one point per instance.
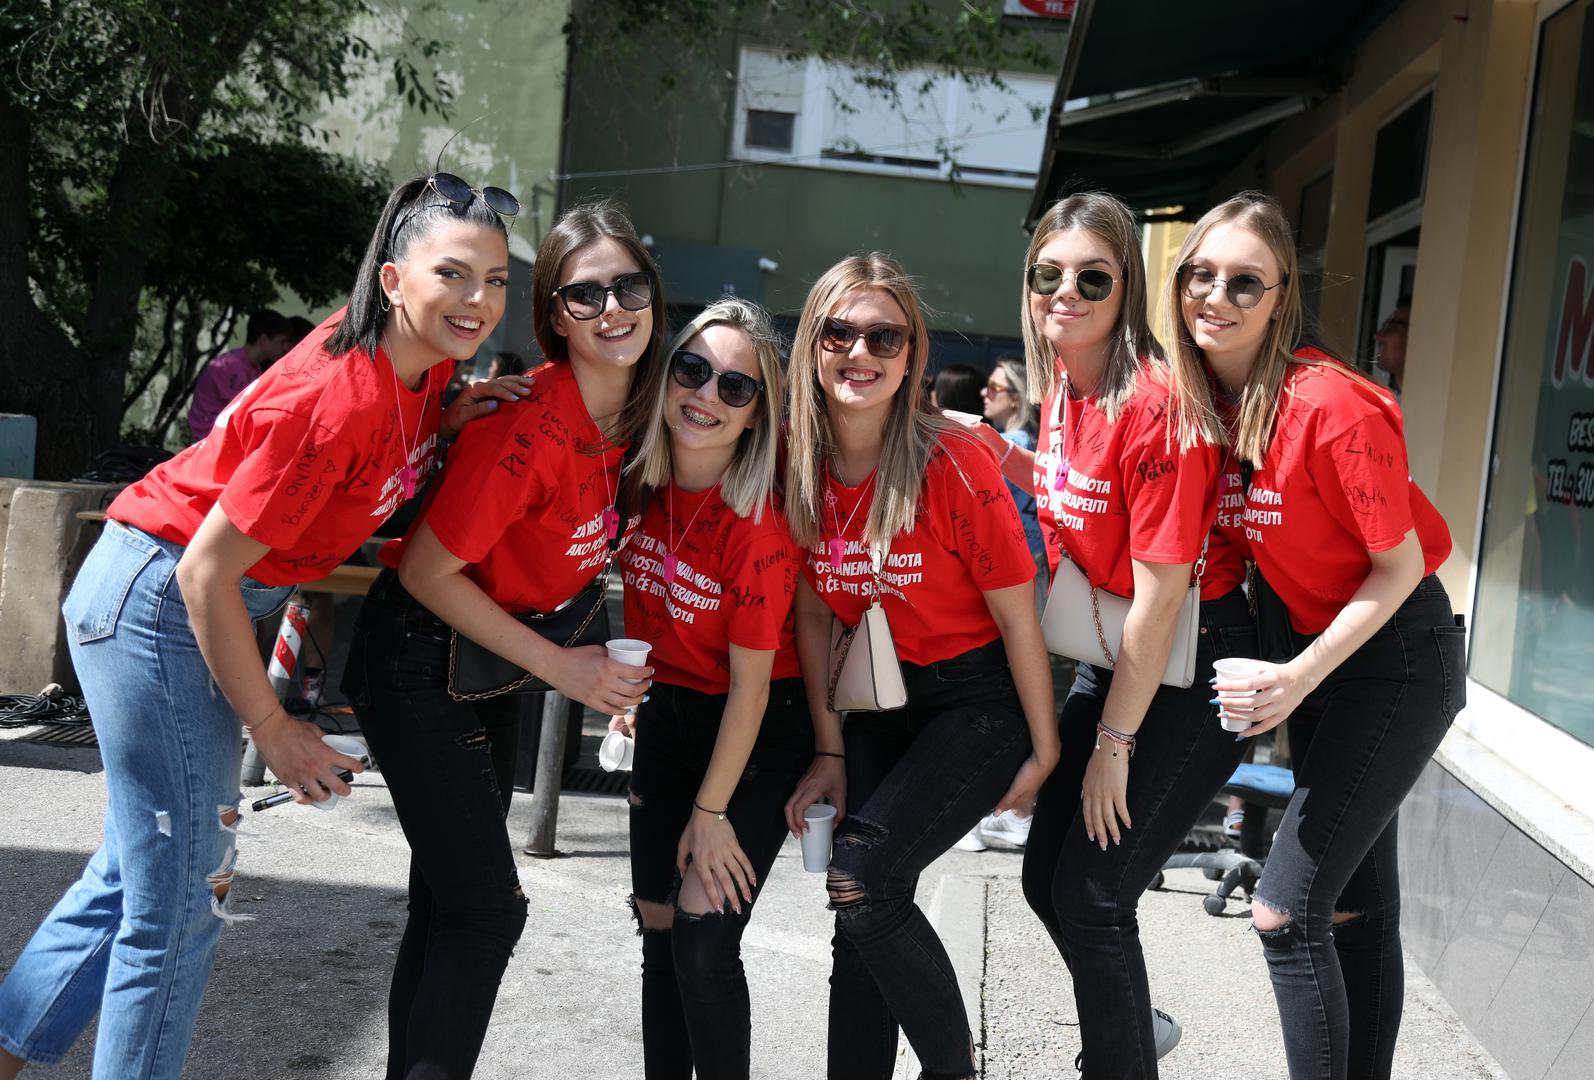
(966, 540)
(1109, 493)
(306, 460)
(523, 496)
(733, 584)
(1332, 487)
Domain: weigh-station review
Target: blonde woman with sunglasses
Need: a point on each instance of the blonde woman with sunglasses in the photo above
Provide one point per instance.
(710, 574)
(1131, 510)
(874, 478)
(1360, 651)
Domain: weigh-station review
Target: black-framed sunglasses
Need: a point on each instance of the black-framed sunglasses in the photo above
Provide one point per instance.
(692, 371)
(1243, 290)
(1091, 284)
(587, 299)
(460, 193)
(883, 340)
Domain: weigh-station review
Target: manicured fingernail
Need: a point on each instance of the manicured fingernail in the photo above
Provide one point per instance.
(1214, 701)
(1239, 738)
(492, 403)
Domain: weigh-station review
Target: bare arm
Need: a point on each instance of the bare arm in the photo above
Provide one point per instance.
(1013, 609)
(1279, 688)
(723, 870)
(1017, 463)
(435, 577)
(827, 776)
(208, 574)
(1142, 658)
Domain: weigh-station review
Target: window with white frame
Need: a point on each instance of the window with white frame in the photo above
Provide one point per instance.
(804, 112)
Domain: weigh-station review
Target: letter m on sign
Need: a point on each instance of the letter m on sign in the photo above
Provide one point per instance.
(1574, 340)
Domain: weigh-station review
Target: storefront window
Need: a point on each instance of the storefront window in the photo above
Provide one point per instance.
(1533, 627)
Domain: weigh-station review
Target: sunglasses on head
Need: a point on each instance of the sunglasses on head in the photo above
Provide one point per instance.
(458, 195)
(587, 299)
(1091, 284)
(883, 340)
(1243, 290)
(692, 371)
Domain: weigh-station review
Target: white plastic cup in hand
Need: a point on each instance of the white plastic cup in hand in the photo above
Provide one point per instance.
(631, 651)
(616, 752)
(349, 746)
(820, 822)
(1235, 720)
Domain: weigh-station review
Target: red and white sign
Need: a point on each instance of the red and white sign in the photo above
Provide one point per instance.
(1039, 9)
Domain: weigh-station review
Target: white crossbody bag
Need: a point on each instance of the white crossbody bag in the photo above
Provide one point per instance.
(865, 674)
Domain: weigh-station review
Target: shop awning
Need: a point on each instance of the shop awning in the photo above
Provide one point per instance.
(1156, 102)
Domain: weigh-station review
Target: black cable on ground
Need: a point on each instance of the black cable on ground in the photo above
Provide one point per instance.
(30, 710)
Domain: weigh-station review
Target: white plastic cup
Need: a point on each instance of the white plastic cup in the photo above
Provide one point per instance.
(616, 752)
(820, 819)
(1235, 720)
(633, 651)
(347, 745)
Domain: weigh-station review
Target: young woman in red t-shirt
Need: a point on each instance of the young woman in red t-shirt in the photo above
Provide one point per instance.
(709, 577)
(523, 518)
(1362, 654)
(294, 476)
(885, 497)
(1132, 509)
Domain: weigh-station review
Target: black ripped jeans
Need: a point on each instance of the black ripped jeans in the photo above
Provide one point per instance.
(1088, 898)
(1359, 742)
(448, 766)
(917, 779)
(695, 1007)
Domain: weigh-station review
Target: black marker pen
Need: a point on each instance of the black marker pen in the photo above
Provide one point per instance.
(285, 795)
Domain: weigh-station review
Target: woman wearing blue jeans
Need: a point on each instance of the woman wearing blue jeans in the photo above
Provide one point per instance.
(291, 480)
(1370, 669)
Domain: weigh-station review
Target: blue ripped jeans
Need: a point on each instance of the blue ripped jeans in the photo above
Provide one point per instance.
(134, 937)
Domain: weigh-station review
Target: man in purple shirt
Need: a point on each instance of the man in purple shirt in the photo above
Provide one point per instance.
(267, 338)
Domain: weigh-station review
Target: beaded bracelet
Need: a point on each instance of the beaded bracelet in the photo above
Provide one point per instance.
(1116, 738)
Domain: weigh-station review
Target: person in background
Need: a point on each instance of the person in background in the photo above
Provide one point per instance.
(1009, 410)
(505, 363)
(299, 328)
(958, 387)
(266, 338)
(1389, 344)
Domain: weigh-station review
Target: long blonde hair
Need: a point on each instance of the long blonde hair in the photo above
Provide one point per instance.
(1196, 418)
(1132, 342)
(911, 429)
(747, 483)
(1026, 415)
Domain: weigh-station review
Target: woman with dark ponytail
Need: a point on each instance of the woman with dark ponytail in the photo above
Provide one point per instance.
(293, 477)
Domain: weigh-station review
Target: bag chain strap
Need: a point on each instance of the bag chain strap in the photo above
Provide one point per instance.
(482, 695)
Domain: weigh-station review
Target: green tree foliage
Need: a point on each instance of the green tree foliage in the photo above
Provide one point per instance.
(154, 183)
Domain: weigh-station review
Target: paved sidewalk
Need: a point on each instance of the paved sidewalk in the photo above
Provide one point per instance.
(302, 990)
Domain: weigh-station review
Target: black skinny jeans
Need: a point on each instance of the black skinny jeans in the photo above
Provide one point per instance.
(448, 766)
(1087, 898)
(695, 1007)
(1359, 742)
(917, 779)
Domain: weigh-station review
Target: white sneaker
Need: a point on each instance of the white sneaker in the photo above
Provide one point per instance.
(1165, 1032)
(971, 840)
(1007, 827)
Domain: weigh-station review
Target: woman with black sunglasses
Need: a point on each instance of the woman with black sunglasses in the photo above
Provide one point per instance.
(710, 573)
(524, 518)
(1360, 650)
(293, 477)
(1126, 507)
(890, 501)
